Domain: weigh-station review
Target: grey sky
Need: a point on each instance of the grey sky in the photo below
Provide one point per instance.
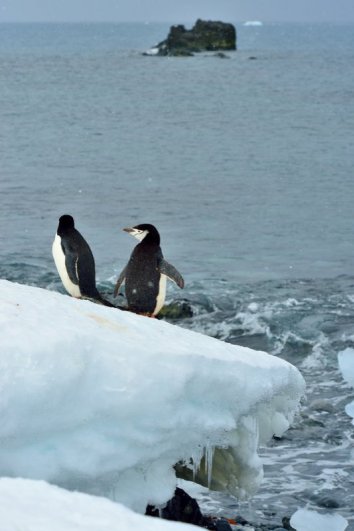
(176, 11)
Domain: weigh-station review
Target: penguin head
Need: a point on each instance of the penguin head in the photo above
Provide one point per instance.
(66, 222)
(144, 231)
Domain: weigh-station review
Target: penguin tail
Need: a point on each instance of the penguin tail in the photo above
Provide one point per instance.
(104, 302)
(107, 303)
(98, 299)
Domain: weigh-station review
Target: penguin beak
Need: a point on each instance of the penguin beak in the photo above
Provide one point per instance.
(138, 234)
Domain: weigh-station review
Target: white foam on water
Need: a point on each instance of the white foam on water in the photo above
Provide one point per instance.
(317, 359)
(332, 478)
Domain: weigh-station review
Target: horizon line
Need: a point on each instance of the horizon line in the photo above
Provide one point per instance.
(148, 22)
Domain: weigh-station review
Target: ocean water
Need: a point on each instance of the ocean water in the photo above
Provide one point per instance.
(244, 164)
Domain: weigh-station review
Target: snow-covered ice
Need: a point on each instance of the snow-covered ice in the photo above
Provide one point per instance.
(305, 520)
(106, 402)
(29, 505)
(346, 366)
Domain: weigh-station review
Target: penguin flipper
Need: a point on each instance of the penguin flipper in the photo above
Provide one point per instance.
(71, 261)
(120, 281)
(171, 272)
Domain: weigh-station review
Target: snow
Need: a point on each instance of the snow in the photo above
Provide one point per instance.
(346, 366)
(28, 505)
(305, 520)
(106, 402)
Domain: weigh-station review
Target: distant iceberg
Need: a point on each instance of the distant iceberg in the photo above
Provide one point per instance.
(106, 402)
(253, 23)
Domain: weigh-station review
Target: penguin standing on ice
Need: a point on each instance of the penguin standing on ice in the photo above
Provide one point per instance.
(75, 263)
(146, 273)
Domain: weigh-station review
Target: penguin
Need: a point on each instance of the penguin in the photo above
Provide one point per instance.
(75, 263)
(146, 273)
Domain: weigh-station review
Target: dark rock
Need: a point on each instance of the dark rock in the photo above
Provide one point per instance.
(328, 502)
(183, 508)
(222, 525)
(241, 520)
(205, 36)
(325, 499)
(152, 511)
(221, 55)
(286, 524)
(179, 309)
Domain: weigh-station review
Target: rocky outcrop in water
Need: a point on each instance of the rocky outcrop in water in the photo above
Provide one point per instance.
(183, 508)
(205, 36)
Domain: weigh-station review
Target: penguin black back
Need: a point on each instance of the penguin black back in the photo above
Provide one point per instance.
(143, 276)
(146, 272)
(75, 262)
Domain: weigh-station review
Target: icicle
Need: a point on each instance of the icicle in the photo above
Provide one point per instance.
(195, 459)
(209, 454)
(195, 468)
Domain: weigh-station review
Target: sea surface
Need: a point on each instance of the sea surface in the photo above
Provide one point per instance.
(244, 164)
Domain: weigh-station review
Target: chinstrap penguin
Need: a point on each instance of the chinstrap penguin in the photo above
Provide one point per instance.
(146, 273)
(75, 262)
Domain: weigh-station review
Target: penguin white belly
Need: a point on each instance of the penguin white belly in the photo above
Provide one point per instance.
(59, 259)
(160, 300)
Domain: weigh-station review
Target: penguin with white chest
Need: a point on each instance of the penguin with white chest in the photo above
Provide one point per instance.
(146, 273)
(75, 262)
